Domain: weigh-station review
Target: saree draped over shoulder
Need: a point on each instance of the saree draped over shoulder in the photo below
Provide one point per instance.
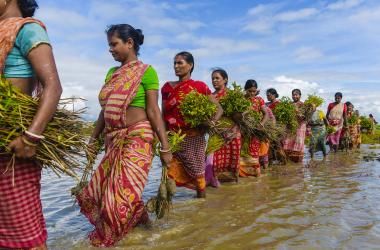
(294, 144)
(335, 119)
(188, 165)
(226, 161)
(250, 152)
(22, 224)
(112, 200)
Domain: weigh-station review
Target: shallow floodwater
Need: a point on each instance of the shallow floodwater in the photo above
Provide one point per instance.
(330, 205)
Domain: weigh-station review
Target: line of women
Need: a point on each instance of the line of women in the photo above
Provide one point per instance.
(129, 120)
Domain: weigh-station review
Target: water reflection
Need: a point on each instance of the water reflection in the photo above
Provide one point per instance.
(327, 205)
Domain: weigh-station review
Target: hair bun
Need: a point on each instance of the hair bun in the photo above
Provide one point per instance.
(140, 36)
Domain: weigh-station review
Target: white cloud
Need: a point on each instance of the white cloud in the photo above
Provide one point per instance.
(291, 16)
(344, 4)
(308, 54)
(263, 25)
(288, 39)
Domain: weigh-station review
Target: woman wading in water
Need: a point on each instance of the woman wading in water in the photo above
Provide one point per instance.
(129, 117)
(188, 165)
(26, 60)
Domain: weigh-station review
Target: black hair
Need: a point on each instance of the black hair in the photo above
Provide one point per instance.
(349, 104)
(370, 115)
(296, 91)
(126, 31)
(339, 94)
(222, 72)
(27, 7)
(249, 84)
(273, 92)
(188, 58)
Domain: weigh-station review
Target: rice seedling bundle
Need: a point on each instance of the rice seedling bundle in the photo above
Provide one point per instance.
(174, 138)
(330, 130)
(196, 109)
(234, 101)
(307, 108)
(64, 145)
(215, 142)
(353, 119)
(269, 131)
(366, 124)
(161, 203)
(285, 113)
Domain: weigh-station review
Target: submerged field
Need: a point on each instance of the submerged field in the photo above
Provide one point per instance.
(326, 205)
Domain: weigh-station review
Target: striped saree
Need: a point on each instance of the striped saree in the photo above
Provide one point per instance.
(112, 200)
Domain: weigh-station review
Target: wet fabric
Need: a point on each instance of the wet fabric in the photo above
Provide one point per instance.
(336, 120)
(294, 144)
(112, 201)
(318, 132)
(22, 224)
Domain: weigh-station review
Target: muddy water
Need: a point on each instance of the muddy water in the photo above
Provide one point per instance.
(330, 205)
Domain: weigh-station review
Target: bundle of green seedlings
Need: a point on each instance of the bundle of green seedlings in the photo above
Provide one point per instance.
(269, 131)
(64, 145)
(214, 143)
(234, 101)
(307, 108)
(330, 130)
(285, 113)
(196, 109)
(353, 119)
(160, 204)
(366, 124)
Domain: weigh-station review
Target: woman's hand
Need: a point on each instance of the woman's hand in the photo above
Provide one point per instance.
(166, 157)
(91, 149)
(21, 149)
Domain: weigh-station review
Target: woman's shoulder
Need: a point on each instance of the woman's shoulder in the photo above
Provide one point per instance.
(30, 36)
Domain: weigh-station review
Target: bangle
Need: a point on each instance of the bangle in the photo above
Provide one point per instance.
(165, 150)
(24, 140)
(40, 137)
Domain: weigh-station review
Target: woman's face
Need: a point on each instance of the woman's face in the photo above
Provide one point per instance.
(251, 92)
(181, 67)
(338, 99)
(119, 49)
(296, 96)
(350, 108)
(270, 97)
(218, 81)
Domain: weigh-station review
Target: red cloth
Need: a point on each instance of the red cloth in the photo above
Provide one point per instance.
(272, 105)
(227, 158)
(257, 103)
(172, 96)
(22, 224)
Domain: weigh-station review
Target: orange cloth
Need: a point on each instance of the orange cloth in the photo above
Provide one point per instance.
(178, 173)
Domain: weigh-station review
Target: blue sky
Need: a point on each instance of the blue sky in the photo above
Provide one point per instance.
(317, 46)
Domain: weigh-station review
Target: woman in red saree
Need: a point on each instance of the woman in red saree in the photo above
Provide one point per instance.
(26, 58)
(188, 165)
(224, 163)
(294, 144)
(272, 98)
(337, 117)
(129, 117)
(250, 161)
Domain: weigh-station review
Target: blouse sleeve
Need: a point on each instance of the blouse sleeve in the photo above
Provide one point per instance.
(30, 36)
(150, 79)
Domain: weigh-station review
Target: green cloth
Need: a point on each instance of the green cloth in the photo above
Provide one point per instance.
(149, 81)
(17, 64)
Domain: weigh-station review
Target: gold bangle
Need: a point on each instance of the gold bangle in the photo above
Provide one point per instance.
(24, 140)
